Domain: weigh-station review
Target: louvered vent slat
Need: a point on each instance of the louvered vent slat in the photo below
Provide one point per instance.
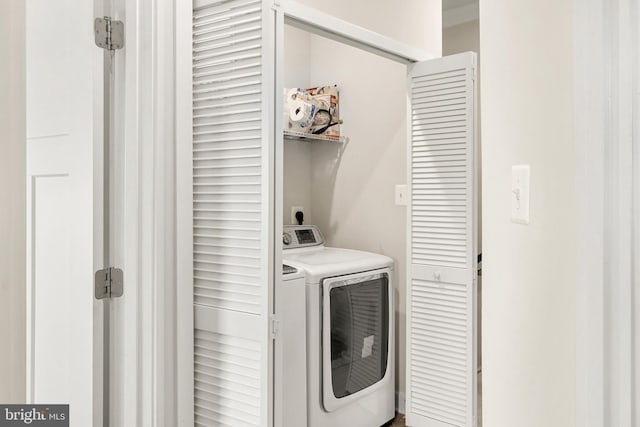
(226, 380)
(227, 155)
(227, 208)
(438, 172)
(439, 349)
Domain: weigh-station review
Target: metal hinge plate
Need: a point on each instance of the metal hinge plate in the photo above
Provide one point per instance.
(109, 283)
(275, 326)
(109, 34)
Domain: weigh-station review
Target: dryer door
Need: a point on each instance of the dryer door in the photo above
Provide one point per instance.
(357, 325)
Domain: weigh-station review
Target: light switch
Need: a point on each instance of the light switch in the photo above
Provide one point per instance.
(401, 195)
(520, 194)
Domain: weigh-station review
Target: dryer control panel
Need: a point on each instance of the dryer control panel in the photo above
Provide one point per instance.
(301, 236)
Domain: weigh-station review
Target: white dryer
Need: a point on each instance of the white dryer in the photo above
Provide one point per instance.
(349, 331)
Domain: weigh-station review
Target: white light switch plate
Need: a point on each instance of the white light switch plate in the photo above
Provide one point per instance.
(401, 194)
(520, 194)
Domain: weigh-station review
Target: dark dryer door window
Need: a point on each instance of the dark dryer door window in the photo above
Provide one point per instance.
(359, 333)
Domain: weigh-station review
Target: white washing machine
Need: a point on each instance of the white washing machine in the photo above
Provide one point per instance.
(349, 331)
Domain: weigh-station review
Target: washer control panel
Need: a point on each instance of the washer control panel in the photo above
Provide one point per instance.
(301, 236)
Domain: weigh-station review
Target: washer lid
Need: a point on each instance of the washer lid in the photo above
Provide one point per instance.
(321, 262)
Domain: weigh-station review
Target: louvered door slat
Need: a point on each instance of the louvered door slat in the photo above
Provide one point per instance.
(441, 300)
(230, 258)
(220, 29)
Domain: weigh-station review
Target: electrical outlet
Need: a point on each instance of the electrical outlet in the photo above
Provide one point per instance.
(295, 209)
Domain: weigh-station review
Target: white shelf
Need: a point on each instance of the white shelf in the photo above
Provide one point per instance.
(311, 137)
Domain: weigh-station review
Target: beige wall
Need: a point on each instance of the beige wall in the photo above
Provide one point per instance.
(350, 191)
(529, 271)
(297, 154)
(461, 38)
(416, 22)
(353, 186)
(12, 202)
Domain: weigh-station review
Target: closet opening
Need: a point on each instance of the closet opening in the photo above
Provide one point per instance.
(339, 212)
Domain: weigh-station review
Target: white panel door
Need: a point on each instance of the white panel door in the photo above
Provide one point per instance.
(63, 135)
(442, 227)
(233, 154)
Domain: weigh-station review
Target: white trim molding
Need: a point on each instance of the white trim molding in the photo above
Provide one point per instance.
(460, 15)
(400, 402)
(607, 78)
(309, 19)
(143, 211)
(184, 213)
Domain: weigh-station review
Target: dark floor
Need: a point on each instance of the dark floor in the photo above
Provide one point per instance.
(399, 421)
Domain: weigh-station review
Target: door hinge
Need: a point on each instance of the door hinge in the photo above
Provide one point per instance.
(108, 283)
(275, 326)
(109, 34)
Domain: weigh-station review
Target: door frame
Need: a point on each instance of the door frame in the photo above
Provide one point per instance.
(184, 213)
(608, 205)
(143, 194)
(143, 320)
(323, 24)
(290, 13)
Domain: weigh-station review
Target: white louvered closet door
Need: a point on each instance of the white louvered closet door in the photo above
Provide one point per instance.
(441, 300)
(232, 162)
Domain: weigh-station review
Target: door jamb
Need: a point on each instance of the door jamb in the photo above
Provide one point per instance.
(184, 214)
(326, 25)
(143, 206)
(607, 195)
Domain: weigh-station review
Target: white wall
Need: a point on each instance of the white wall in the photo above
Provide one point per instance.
(529, 271)
(13, 203)
(351, 195)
